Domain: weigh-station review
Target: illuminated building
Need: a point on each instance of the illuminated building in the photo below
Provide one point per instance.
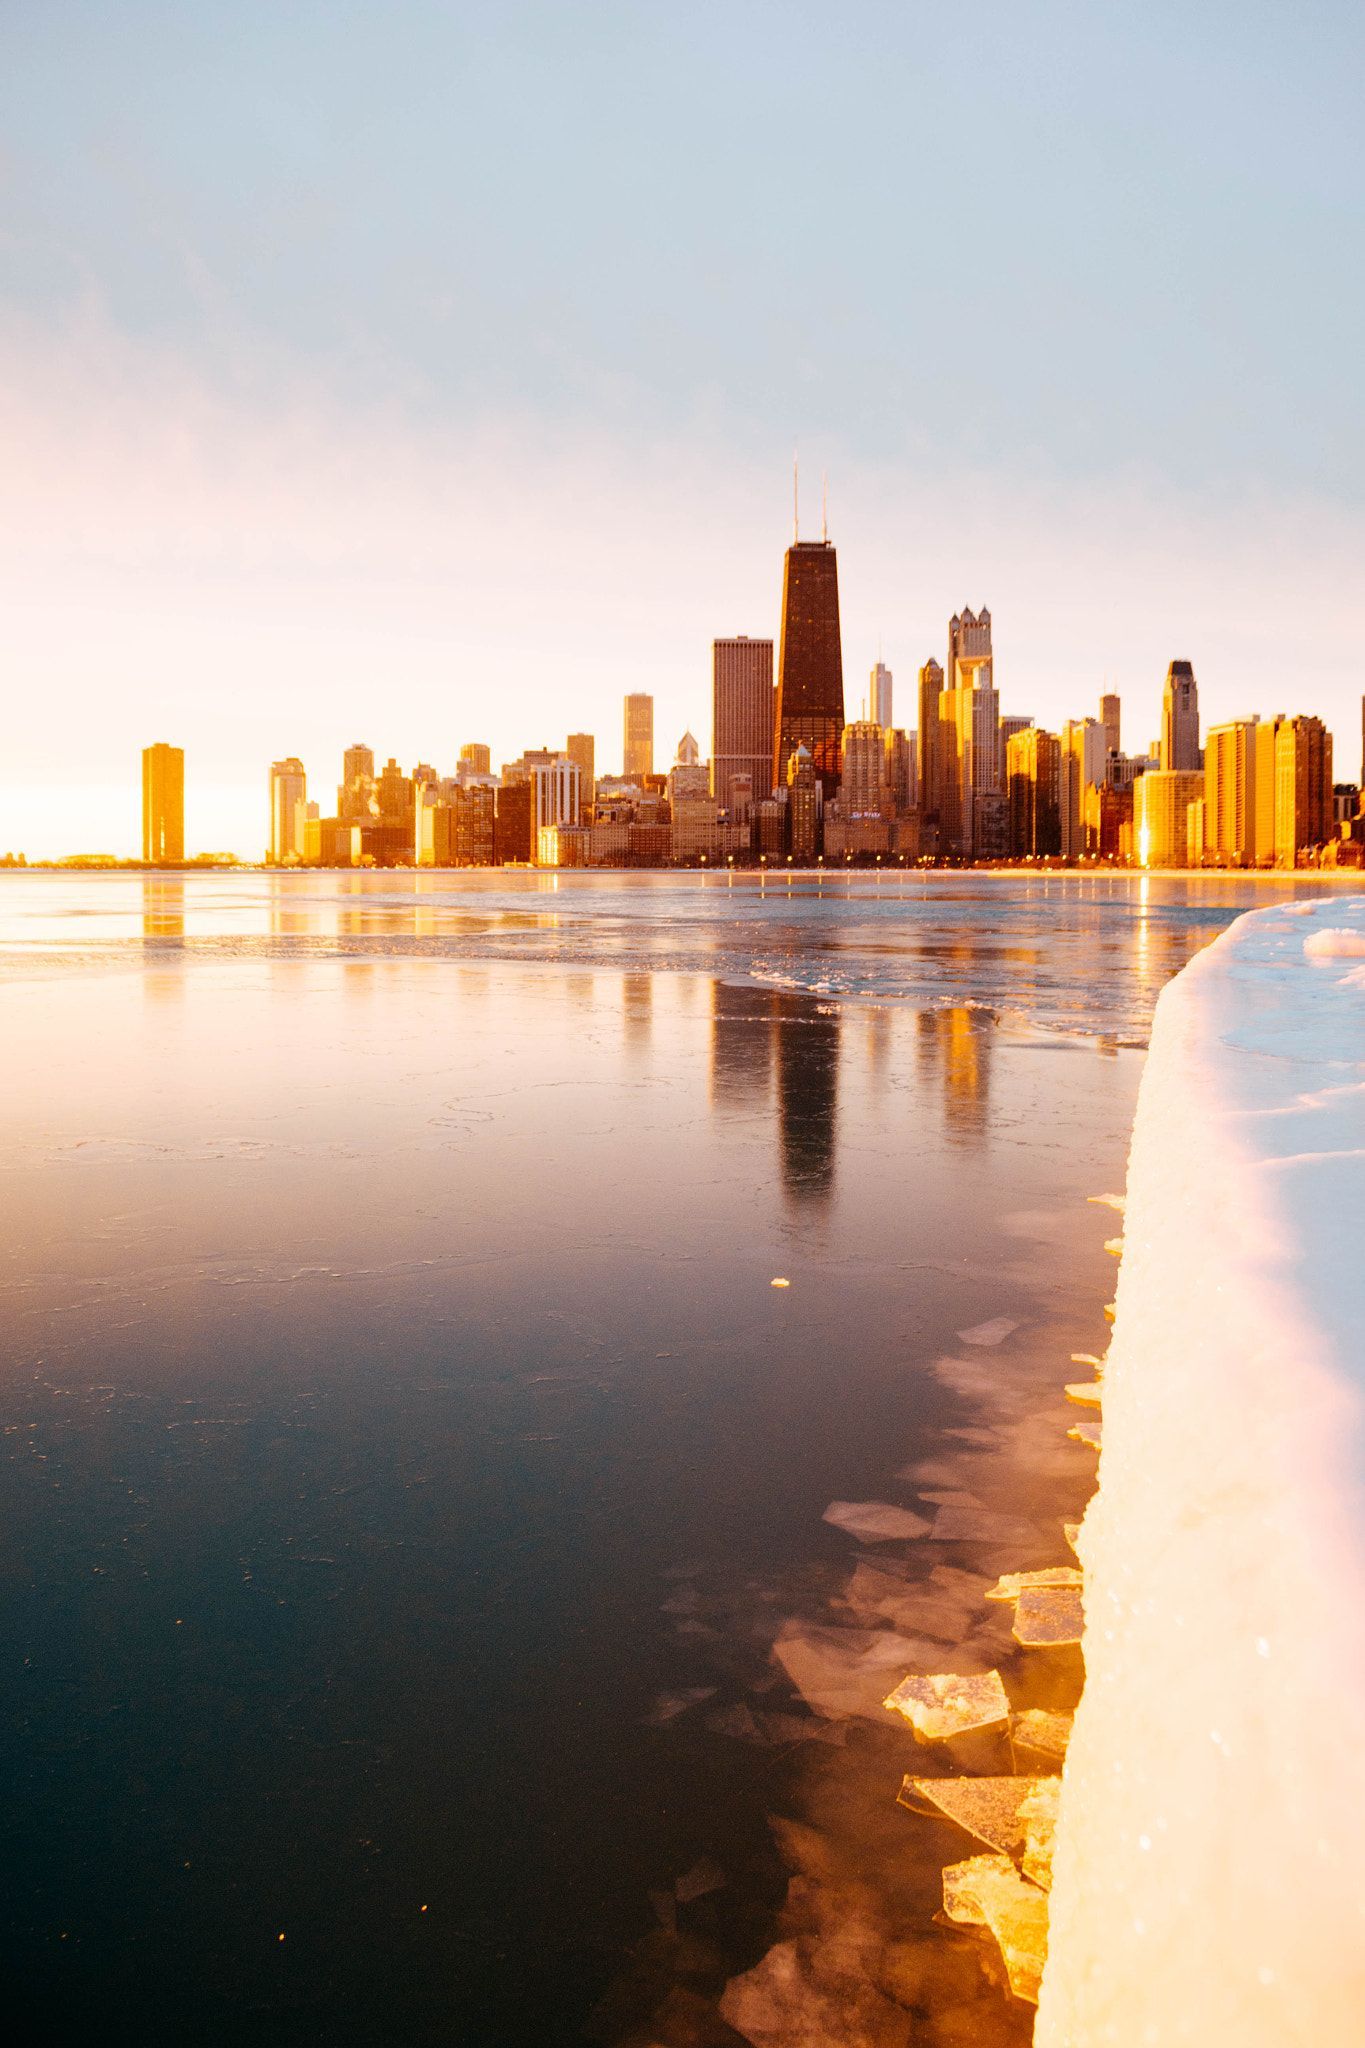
(741, 715)
(971, 806)
(1180, 719)
(879, 696)
(581, 748)
(1111, 720)
(809, 708)
(556, 795)
(355, 792)
(1303, 789)
(862, 787)
(1162, 800)
(1083, 770)
(1232, 794)
(803, 806)
(930, 750)
(288, 803)
(899, 752)
(688, 779)
(476, 757)
(1033, 767)
(163, 803)
(638, 748)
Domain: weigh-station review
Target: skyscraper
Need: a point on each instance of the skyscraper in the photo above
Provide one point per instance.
(1180, 719)
(803, 805)
(929, 748)
(1232, 788)
(474, 756)
(809, 711)
(1033, 770)
(1111, 720)
(741, 715)
(1303, 788)
(862, 790)
(163, 802)
(879, 696)
(971, 805)
(638, 748)
(582, 748)
(288, 803)
(355, 792)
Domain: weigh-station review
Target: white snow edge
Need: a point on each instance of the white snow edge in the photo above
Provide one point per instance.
(1209, 1878)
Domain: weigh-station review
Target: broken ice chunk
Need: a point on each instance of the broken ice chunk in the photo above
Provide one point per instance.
(704, 1876)
(1114, 1247)
(1012, 1584)
(1072, 1533)
(992, 1809)
(1086, 1393)
(949, 1703)
(875, 1521)
(1111, 1309)
(993, 1332)
(1049, 1616)
(987, 1891)
(669, 1705)
(1118, 1202)
(1087, 1431)
(840, 1671)
(1041, 1732)
(978, 1525)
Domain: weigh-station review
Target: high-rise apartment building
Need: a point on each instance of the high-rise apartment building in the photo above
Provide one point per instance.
(1163, 800)
(581, 748)
(879, 696)
(163, 802)
(809, 710)
(1180, 719)
(1232, 794)
(900, 769)
(1111, 720)
(1303, 789)
(474, 756)
(288, 810)
(1083, 770)
(638, 744)
(862, 788)
(555, 796)
(1033, 769)
(741, 716)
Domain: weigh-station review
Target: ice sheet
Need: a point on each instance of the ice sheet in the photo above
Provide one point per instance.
(987, 1891)
(1208, 1880)
(1047, 1617)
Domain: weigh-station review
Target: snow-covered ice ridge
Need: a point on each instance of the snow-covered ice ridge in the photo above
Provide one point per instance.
(1209, 1877)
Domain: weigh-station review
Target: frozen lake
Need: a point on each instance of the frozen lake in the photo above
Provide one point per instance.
(413, 1482)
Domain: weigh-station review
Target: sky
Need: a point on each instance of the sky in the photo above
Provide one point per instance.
(421, 373)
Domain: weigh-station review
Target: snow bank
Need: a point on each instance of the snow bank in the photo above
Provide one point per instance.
(1210, 1867)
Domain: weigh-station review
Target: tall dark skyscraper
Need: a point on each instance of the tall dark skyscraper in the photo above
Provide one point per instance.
(810, 666)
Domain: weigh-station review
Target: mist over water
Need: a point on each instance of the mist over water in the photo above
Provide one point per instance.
(415, 1487)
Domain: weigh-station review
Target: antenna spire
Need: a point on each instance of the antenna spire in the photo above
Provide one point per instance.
(796, 494)
(824, 507)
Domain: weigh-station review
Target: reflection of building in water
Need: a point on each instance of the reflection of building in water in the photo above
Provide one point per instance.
(959, 1042)
(637, 1011)
(741, 1047)
(754, 1030)
(163, 907)
(807, 1039)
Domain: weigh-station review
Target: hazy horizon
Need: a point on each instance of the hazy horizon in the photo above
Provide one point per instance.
(437, 379)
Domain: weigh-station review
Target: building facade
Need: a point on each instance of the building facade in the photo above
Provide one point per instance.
(1180, 719)
(163, 803)
(1303, 789)
(288, 811)
(809, 708)
(637, 752)
(742, 715)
